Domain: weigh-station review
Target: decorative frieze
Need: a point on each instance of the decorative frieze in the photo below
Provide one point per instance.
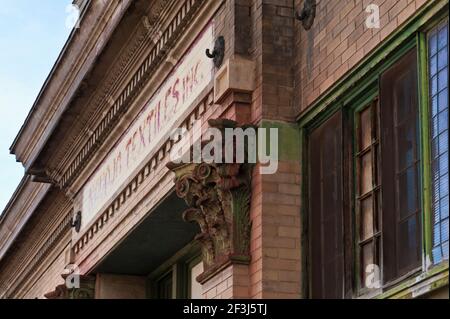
(218, 196)
(135, 181)
(140, 179)
(160, 115)
(165, 42)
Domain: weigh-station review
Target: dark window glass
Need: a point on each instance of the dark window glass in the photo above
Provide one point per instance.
(401, 213)
(165, 287)
(378, 178)
(368, 190)
(326, 213)
(438, 71)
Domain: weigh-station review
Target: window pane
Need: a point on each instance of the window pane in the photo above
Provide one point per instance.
(409, 245)
(443, 79)
(367, 218)
(443, 101)
(366, 260)
(366, 129)
(438, 65)
(406, 144)
(408, 192)
(443, 36)
(368, 192)
(442, 59)
(366, 173)
(444, 207)
(326, 210)
(400, 175)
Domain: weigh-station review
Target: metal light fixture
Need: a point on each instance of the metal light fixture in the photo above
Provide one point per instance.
(76, 222)
(308, 14)
(218, 53)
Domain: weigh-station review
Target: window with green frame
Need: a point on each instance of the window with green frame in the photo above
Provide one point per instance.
(438, 75)
(177, 278)
(377, 153)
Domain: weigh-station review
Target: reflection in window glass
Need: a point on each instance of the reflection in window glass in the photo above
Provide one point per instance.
(368, 189)
(438, 65)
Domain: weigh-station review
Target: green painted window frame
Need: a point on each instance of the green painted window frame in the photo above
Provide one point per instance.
(358, 88)
(179, 266)
(424, 84)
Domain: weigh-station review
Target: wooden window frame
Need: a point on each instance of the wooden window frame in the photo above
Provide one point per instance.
(336, 121)
(350, 106)
(369, 100)
(426, 143)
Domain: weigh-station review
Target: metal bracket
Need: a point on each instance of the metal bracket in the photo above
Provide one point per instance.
(308, 14)
(218, 53)
(76, 222)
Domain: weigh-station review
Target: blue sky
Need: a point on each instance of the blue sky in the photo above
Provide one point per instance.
(32, 33)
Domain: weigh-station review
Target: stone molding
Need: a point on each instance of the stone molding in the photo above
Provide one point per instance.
(121, 104)
(44, 251)
(236, 75)
(97, 23)
(101, 100)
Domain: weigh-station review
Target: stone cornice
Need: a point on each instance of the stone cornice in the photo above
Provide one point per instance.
(121, 104)
(19, 210)
(60, 237)
(197, 23)
(98, 103)
(74, 62)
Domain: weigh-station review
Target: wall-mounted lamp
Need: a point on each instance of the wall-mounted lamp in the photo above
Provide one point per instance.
(308, 14)
(76, 222)
(218, 53)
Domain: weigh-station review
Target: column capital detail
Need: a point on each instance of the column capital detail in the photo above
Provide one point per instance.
(218, 196)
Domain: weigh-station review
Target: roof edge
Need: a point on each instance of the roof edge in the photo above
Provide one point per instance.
(84, 6)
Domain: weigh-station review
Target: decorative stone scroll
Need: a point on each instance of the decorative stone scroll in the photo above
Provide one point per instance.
(86, 290)
(218, 196)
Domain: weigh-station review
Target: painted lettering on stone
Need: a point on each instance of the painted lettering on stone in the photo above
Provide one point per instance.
(158, 117)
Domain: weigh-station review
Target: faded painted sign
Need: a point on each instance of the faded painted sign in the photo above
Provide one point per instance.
(158, 117)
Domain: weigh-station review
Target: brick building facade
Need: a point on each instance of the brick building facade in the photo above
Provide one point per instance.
(100, 201)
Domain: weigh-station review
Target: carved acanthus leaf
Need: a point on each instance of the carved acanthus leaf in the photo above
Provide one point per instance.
(218, 196)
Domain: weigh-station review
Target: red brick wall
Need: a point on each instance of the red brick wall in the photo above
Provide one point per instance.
(281, 232)
(231, 283)
(339, 40)
(294, 68)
